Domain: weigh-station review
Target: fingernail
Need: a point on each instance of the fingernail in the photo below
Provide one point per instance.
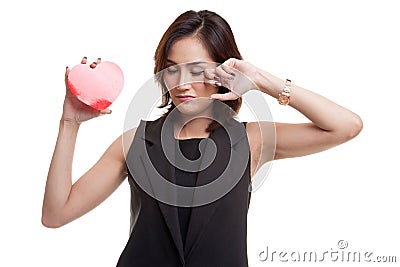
(218, 83)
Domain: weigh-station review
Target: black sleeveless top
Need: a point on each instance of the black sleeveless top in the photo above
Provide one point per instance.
(189, 149)
(213, 234)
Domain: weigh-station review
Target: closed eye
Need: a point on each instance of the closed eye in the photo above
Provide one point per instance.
(171, 70)
(197, 73)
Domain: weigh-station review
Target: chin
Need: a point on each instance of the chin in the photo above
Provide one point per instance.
(195, 107)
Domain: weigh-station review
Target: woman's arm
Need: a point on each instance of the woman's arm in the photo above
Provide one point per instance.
(330, 124)
(64, 202)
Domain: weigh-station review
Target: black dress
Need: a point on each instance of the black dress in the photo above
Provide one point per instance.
(214, 233)
(189, 149)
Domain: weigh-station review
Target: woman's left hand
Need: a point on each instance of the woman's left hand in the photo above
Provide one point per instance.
(234, 74)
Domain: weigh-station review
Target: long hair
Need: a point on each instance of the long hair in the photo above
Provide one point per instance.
(216, 36)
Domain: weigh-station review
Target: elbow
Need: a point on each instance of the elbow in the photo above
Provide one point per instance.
(51, 221)
(50, 224)
(356, 125)
(351, 129)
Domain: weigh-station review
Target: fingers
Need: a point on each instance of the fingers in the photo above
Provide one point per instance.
(94, 64)
(209, 74)
(211, 77)
(231, 62)
(225, 75)
(66, 71)
(220, 76)
(66, 76)
(231, 72)
(84, 60)
(225, 72)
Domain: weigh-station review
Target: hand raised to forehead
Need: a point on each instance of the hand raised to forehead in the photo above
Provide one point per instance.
(234, 75)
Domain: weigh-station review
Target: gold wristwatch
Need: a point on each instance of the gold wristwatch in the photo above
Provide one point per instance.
(284, 96)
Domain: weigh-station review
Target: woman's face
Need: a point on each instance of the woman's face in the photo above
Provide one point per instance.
(184, 76)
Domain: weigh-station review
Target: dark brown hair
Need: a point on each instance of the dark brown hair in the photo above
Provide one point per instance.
(216, 36)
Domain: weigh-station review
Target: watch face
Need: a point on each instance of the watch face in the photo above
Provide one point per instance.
(283, 99)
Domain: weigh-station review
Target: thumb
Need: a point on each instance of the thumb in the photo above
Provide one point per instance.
(105, 111)
(224, 97)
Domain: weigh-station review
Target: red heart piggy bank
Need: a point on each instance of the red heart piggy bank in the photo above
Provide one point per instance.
(97, 87)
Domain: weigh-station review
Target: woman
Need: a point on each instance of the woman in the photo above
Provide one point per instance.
(169, 231)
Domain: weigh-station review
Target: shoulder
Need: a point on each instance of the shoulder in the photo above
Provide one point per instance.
(253, 134)
(143, 125)
(146, 129)
(122, 143)
(257, 129)
(253, 130)
(152, 124)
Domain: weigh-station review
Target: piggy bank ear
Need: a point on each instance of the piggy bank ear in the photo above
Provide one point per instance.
(97, 87)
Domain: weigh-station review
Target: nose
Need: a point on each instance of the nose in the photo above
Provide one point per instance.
(184, 81)
(185, 86)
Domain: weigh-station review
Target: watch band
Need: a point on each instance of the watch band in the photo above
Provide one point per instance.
(284, 96)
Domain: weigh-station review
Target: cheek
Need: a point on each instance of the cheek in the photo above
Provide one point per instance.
(171, 95)
(171, 81)
(205, 89)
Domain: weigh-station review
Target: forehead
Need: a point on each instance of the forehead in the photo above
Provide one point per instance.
(188, 49)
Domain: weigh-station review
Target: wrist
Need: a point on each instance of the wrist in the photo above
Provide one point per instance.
(284, 96)
(68, 122)
(267, 83)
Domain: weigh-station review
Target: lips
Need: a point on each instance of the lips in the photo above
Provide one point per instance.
(185, 97)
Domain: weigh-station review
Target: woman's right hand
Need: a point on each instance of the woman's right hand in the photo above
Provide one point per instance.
(75, 110)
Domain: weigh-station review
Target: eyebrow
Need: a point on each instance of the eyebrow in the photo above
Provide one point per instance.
(189, 63)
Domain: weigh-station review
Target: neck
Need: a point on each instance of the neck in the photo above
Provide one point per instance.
(195, 128)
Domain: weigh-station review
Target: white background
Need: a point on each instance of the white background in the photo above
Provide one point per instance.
(347, 51)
